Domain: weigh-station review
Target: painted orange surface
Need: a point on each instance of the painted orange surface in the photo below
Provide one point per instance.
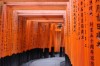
(80, 34)
(85, 52)
(96, 19)
(35, 0)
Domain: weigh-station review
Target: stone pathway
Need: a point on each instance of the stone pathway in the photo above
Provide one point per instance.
(46, 62)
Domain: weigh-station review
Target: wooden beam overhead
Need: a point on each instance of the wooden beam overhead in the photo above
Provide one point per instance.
(40, 12)
(25, 7)
(37, 3)
(48, 21)
(42, 16)
(35, 0)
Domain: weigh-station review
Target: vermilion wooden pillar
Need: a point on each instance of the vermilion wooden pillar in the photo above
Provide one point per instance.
(55, 38)
(4, 31)
(86, 33)
(95, 48)
(0, 31)
(62, 45)
(51, 47)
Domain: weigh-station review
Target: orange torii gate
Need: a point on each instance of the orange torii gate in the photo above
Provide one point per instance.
(41, 36)
(21, 37)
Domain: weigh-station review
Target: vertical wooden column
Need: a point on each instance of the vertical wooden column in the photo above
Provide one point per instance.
(10, 30)
(73, 32)
(62, 45)
(95, 47)
(43, 35)
(78, 20)
(33, 39)
(86, 33)
(51, 48)
(67, 31)
(39, 35)
(51, 28)
(91, 34)
(0, 35)
(50, 43)
(1, 31)
(47, 35)
(67, 34)
(23, 45)
(58, 40)
(4, 31)
(82, 31)
(20, 36)
(14, 33)
(27, 23)
(62, 36)
(72, 38)
(55, 38)
(35, 26)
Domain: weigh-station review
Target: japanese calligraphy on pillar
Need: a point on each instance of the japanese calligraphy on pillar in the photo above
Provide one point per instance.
(91, 31)
(74, 15)
(97, 11)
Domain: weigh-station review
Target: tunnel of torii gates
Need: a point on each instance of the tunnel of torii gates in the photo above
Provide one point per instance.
(49, 26)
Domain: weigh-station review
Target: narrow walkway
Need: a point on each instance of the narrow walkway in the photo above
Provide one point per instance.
(46, 62)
